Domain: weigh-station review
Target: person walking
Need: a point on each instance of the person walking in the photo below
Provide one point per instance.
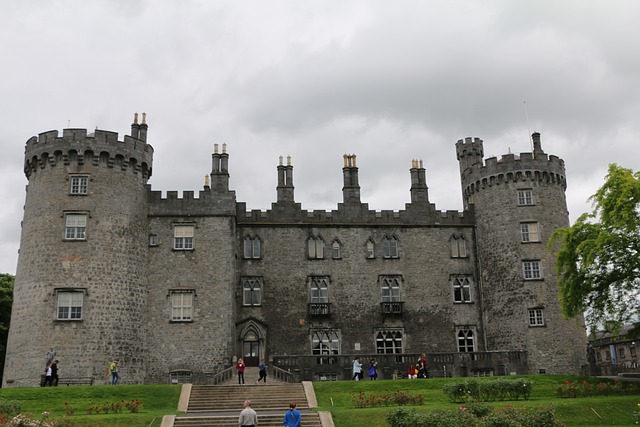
(47, 376)
(373, 369)
(263, 371)
(293, 417)
(357, 369)
(54, 373)
(113, 368)
(240, 366)
(248, 417)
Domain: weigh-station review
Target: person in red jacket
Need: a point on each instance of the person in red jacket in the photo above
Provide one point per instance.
(240, 368)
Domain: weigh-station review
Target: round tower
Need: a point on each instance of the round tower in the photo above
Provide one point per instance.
(80, 290)
(518, 201)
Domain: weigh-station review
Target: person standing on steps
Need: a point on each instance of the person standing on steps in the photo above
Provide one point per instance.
(263, 371)
(293, 417)
(248, 417)
(240, 366)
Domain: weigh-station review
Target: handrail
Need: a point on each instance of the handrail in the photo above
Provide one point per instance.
(281, 374)
(222, 376)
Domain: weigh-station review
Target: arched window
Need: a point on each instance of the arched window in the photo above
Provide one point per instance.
(316, 247)
(251, 291)
(389, 342)
(252, 248)
(336, 252)
(466, 342)
(370, 249)
(390, 247)
(325, 342)
(462, 289)
(458, 246)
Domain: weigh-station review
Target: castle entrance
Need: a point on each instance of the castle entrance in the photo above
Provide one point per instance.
(251, 348)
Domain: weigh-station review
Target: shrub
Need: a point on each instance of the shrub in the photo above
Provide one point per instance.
(10, 407)
(491, 390)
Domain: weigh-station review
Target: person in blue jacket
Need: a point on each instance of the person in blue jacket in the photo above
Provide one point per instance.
(293, 417)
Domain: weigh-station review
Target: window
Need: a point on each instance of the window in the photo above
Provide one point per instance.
(69, 305)
(252, 247)
(183, 237)
(153, 240)
(336, 252)
(462, 289)
(180, 376)
(466, 342)
(529, 232)
(370, 249)
(536, 317)
(75, 226)
(525, 197)
(621, 353)
(458, 246)
(531, 270)
(389, 342)
(181, 306)
(390, 288)
(316, 247)
(325, 342)
(252, 291)
(632, 350)
(79, 184)
(319, 287)
(608, 355)
(390, 248)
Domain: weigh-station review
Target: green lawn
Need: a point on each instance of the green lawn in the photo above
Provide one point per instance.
(159, 400)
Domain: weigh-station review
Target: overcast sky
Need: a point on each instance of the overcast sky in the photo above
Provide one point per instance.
(389, 81)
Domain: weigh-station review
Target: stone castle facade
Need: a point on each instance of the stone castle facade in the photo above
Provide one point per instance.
(181, 286)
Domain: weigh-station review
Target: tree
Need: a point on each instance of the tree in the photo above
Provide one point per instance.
(6, 300)
(598, 260)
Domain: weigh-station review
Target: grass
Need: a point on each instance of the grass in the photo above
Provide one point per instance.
(157, 400)
(335, 397)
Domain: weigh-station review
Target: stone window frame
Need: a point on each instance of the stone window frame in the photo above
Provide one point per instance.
(252, 247)
(458, 288)
(79, 312)
(336, 249)
(75, 230)
(183, 241)
(370, 248)
(536, 317)
(153, 240)
(525, 197)
(532, 269)
(181, 307)
(389, 292)
(328, 342)
(389, 335)
(79, 184)
(530, 232)
(319, 294)
(252, 288)
(458, 246)
(466, 341)
(390, 247)
(315, 247)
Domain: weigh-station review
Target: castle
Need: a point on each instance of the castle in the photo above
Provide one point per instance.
(177, 288)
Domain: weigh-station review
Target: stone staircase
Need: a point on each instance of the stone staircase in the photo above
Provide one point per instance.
(220, 405)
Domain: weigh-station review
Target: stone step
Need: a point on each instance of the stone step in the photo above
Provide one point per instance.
(309, 419)
(229, 398)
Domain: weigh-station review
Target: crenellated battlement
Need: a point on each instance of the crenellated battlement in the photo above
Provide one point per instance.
(527, 167)
(76, 145)
(344, 216)
(208, 203)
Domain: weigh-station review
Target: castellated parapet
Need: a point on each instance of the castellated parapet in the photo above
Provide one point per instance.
(75, 145)
(476, 175)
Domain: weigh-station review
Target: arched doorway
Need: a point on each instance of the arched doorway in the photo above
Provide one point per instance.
(251, 348)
